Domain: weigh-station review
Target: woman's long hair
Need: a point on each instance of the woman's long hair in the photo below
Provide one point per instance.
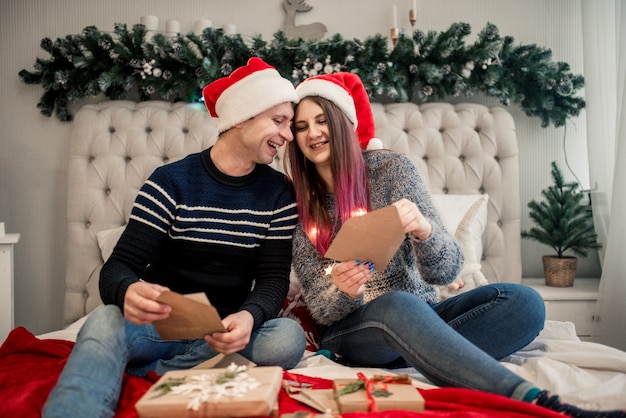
(349, 177)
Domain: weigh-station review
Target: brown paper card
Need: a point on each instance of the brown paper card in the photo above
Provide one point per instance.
(374, 237)
(192, 317)
(321, 400)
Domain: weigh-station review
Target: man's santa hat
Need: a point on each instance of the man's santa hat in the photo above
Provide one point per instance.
(347, 92)
(246, 92)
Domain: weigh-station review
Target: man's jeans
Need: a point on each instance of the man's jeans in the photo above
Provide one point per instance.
(108, 345)
(400, 329)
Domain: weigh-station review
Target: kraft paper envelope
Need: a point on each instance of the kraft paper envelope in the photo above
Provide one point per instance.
(222, 361)
(320, 399)
(192, 317)
(373, 237)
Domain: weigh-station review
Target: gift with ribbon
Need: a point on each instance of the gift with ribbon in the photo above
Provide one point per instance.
(378, 393)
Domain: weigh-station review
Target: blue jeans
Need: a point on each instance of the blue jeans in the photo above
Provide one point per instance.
(453, 343)
(108, 345)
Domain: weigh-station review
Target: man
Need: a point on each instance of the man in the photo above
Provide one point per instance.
(220, 222)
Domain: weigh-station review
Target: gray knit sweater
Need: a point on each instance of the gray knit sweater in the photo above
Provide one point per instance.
(417, 267)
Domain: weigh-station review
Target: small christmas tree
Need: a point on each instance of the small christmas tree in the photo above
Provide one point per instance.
(563, 223)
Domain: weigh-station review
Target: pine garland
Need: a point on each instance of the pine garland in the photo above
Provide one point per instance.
(425, 67)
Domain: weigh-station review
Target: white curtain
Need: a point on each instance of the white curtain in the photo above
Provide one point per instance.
(604, 35)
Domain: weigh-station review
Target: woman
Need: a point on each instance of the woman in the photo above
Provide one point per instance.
(392, 318)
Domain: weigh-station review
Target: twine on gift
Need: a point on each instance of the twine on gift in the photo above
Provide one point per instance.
(401, 378)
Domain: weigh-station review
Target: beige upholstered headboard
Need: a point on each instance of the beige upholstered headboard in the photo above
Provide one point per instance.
(465, 149)
(115, 145)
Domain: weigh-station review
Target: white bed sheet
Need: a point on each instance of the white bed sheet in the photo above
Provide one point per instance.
(585, 374)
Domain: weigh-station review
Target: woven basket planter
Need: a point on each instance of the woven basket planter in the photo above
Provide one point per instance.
(559, 272)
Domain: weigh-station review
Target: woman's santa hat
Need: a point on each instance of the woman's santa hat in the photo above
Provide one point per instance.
(246, 92)
(347, 92)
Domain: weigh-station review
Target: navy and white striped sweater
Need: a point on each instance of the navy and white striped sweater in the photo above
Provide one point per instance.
(194, 229)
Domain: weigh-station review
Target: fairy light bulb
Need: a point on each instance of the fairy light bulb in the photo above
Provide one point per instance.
(312, 234)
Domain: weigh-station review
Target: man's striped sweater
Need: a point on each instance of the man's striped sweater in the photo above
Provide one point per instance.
(193, 228)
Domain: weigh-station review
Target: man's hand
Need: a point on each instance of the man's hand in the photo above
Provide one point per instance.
(140, 305)
(238, 330)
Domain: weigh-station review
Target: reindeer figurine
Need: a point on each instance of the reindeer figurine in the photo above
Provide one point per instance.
(310, 32)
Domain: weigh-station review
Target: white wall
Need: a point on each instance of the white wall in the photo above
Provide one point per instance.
(32, 160)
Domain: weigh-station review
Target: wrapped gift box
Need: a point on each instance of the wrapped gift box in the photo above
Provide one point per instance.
(219, 392)
(393, 394)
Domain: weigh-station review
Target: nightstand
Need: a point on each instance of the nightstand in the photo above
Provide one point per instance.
(573, 304)
(6, 283)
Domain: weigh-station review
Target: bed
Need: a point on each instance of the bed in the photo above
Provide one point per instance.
(469, 156)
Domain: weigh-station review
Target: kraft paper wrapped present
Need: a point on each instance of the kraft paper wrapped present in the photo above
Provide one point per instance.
(380, 393)
(236, 391)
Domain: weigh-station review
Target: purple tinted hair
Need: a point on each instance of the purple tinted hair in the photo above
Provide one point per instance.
(348, 173)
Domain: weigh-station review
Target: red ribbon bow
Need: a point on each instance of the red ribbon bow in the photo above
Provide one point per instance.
(369, 386)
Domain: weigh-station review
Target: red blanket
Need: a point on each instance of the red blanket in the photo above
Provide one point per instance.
(29, 368)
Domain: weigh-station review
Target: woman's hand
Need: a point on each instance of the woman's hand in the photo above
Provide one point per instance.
(350, 277)
(412, 219)
(140, 305)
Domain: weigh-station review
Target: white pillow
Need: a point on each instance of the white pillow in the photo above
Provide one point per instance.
(107, 239)
(465, 217)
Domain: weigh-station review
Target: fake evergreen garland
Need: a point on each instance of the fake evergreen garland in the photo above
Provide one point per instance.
(425, 67)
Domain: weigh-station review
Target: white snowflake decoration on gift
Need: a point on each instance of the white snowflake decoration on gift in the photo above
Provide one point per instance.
(234, 382)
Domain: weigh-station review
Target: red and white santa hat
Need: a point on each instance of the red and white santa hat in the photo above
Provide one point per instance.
(347, 92)
(246, 92)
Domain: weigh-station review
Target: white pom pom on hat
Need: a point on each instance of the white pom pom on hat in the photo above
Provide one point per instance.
(347, 92)
(375, 143)
(246, 92)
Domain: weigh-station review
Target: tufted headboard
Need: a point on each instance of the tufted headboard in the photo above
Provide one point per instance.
(115, 145)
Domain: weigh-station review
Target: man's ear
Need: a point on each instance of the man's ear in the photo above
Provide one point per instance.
(240, 124)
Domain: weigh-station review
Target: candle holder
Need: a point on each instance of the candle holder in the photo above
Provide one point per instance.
(413, 19)
(395, 34)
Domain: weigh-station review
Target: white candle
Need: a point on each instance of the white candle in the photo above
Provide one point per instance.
(394, 13)
(172, 27)
(229, 28)
(415, 5)
(200, 25)
(150, 22)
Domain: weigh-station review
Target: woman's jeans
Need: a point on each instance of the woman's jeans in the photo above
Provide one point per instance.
(456, 342)
(108, 345)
